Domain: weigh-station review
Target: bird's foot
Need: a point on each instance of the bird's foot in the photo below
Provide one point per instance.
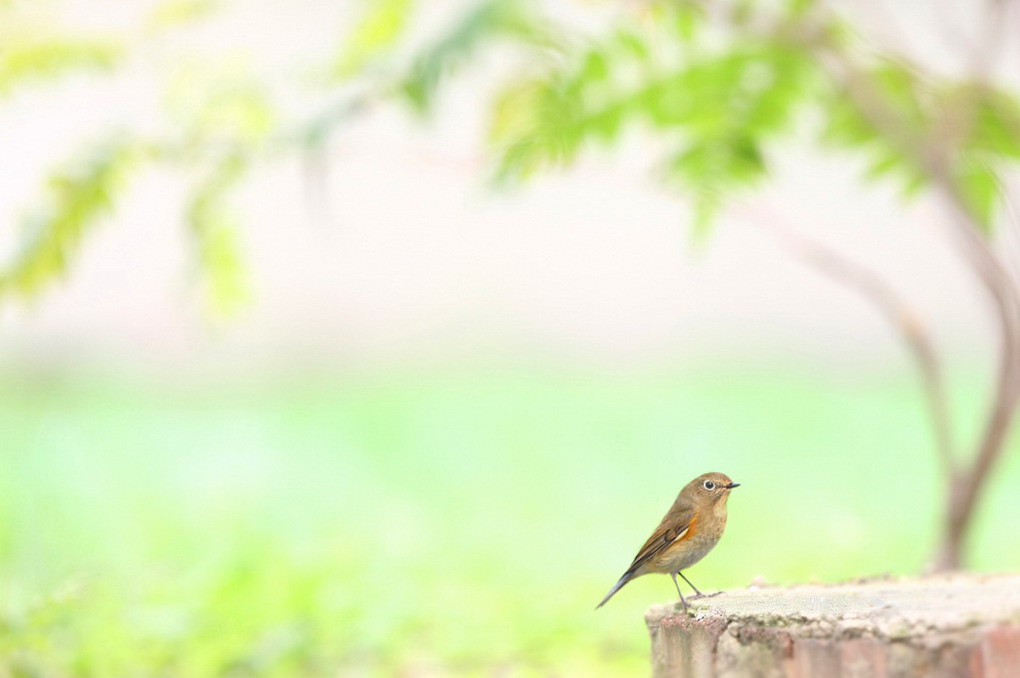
(700, 595)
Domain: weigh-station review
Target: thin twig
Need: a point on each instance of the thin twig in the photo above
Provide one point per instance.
(990, 49)
(1009, 238)
(897, 311)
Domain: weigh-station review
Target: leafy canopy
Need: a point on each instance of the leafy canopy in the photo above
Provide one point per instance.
(718, 85)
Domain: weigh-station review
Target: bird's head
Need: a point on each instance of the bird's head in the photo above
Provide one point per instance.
(709, 488)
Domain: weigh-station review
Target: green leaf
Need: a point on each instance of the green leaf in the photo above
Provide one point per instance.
(980, 187)
(537, 125)
(514, 111)
(798, 8)
(379, 29)
(594, 69)
(78, 195)
(757, 88)
(996, 125)
(546, 122)
(31, 58)
(845, 125)
(687, 18)
(627, 43)
(488, 20)
(214, 227)
(779, 82)
(174, 13)
(706, 209)
(712, 170)
(906, 95)
(891, 164)
(221, 103)
(884, 164)
(719, 164)
(722, 104)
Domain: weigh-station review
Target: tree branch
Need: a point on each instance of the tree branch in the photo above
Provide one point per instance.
(934, 158)
(1011, 238)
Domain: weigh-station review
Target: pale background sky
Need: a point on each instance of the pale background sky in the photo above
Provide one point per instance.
(417, 259)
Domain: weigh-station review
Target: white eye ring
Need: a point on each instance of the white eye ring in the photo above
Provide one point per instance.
(709, 485)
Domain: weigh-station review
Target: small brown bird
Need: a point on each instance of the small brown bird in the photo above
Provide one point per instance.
(691, 527)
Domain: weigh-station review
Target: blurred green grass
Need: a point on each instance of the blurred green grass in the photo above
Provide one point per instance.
(438, 523)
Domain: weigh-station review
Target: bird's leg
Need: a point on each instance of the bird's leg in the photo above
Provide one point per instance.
(697, 593)
(677, 585)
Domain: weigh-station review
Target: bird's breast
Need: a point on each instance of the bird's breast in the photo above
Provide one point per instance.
(683, 554)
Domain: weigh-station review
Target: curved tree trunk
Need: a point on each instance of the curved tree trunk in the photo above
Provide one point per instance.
(966, 483)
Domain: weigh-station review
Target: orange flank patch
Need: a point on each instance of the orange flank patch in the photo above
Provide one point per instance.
(690, 530)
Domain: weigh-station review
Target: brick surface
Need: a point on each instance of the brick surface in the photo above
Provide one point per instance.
(999, 653)
(941, 627)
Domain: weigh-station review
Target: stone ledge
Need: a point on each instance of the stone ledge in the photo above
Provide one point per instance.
(959, 625)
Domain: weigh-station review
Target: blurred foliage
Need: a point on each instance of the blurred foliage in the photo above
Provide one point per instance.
(718, 85)
(218, 118)
(488, 24)
(225, 120)
(215, 227)
(173, 13)
(378, 31)
(721, 106)
(77, 195)
(32, 56)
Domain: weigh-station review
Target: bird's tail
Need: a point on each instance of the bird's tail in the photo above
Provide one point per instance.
(616, 587)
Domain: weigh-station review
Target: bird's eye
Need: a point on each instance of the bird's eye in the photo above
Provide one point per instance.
(709, 485)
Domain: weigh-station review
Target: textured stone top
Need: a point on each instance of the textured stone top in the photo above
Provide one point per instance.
(878, 608)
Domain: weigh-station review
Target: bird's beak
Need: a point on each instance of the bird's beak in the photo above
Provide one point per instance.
(732, 485)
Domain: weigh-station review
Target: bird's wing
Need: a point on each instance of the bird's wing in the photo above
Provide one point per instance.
(677, 525)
